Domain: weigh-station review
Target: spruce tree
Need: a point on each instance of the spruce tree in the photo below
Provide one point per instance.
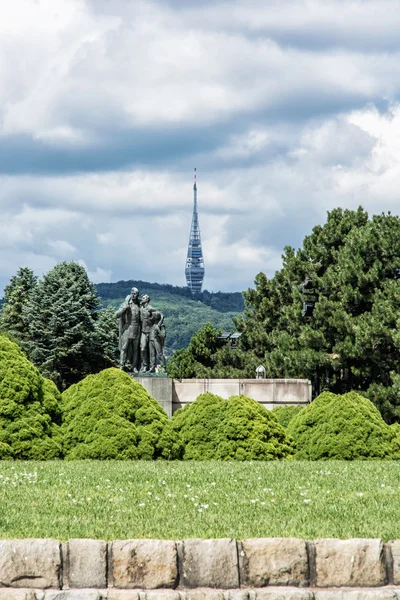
(108, 338)
(61, 316)
(16, 296)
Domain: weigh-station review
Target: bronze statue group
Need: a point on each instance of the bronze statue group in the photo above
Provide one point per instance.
(141, 334)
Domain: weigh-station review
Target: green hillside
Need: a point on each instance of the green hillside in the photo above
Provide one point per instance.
(184, 316)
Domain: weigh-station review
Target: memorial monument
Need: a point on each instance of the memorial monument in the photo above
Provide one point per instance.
(141, 334)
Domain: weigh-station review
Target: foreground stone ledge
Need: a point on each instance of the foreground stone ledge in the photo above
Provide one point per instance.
(273, 561)
(210, 563)
(355, 562)
(271, 593)
(30, 563)
(143, 564)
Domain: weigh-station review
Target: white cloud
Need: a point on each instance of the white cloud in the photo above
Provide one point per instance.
(98, 275)
(62, 248)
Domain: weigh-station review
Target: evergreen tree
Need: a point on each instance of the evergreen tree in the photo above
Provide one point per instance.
(108, 337)
(61, 315)
(352, 340)
(16, 296)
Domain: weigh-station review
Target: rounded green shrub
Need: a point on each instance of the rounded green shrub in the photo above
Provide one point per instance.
(285, 414)
(111, 416)
(346, 427)
(29, 408)
(235, 429)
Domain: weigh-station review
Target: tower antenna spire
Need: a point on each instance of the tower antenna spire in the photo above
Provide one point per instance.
(194, 270)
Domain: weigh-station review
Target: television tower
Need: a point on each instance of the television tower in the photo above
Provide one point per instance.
(194, 270)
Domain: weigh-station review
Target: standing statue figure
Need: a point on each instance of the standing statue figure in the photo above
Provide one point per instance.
(156, 341)
(129, 330)
(146, 314)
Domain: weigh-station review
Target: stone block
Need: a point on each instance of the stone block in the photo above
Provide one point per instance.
(283, 594)
(87, 563)
(210, 563)
(355, 562)
(73, 595)
(237, 595)
(364, 594)
(203, 594)
(144, 564)
(113, 594)
(162, 595)
(273, 561)
(395, 551)
(10, 594)
(30, 563)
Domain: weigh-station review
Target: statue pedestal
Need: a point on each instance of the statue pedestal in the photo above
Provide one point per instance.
(159, 386)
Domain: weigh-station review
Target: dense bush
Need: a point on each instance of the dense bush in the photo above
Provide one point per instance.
(345, 427)
(29, 408)
(285, 414)
(236, 429)
(111, 416)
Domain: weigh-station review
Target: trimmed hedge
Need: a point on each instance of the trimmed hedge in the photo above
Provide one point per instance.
(235, 429)
(111, 416)
(347, 427)
(29, 408)
(285, 414)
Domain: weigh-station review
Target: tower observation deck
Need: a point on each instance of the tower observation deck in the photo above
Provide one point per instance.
(194, 270)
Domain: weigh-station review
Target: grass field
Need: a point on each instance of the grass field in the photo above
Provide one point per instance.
(114, 500)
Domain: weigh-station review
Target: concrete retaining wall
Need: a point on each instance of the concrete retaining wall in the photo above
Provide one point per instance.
(195, 569)
(176, 393)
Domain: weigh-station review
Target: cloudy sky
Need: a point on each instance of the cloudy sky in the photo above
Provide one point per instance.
(287, 109)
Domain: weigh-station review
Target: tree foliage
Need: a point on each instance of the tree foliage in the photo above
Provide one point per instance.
(16, 296)
(343, 427)
(111, 416)
(352, 341)
(286, 414)
(236, 429)
(209, 356)
(30, 409)
(61, 316)
(106, 328)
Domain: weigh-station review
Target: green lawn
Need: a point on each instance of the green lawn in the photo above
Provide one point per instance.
(114, 500)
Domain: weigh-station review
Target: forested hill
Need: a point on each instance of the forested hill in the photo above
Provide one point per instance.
(184, 315)
(221, 301)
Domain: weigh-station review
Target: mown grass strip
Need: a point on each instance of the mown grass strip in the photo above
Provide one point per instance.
(114, 500)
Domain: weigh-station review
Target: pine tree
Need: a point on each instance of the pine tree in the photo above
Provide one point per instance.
(16, 296)
(352, 340)
(61, 316)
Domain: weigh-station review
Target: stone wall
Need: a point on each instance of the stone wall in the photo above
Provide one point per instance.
(195, 569)
(176, 393)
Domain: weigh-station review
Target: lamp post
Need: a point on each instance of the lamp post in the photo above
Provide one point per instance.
(309, 295)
